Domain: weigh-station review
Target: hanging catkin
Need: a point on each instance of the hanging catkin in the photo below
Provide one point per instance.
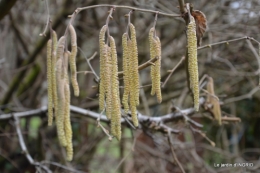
(67, 123)
(192, 61)
(157, 69)
(61, 101)
(126, 71)
(73, 67)
(116, 112)
(49, 79)
(53, 76)
(108, 79)
(134, 66)
(102, 59)
(132, 92)
(152, 55)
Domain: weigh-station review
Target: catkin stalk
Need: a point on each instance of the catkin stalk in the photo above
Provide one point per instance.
(49, 79)
(134, 67)
(73, 55)
(103, 54)
(116, 112)
(192, 61)
(126, 70)
(53, 76)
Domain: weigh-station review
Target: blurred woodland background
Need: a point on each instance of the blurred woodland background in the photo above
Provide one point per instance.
(233, 66)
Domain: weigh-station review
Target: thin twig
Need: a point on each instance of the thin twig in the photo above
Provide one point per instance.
(175, 158)
(48, 19)
(256, 55)
(242, 97)
(228, 41)
(88, 61)
(62, 166)
(24, 148)
(231, 119)
(126, 7)
(174, 68)
(142, 66)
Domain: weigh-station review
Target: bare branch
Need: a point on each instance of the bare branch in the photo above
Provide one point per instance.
(126, 7)
(173, 153)
(24, 148)
(174, 68)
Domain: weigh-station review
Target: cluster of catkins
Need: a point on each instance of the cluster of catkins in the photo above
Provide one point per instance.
(109, 98)
(58, 86)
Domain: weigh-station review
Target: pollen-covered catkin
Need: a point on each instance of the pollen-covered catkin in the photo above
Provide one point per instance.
(108, 81)
(192, 61)
(102, 59)
(67, 123)
(73, 55)
(49, 76)
(126, 71)
(53, 64)
(116, 112)
(157, 70)
(61, 99)
(152, 55)
(135, 73)
(132, 94)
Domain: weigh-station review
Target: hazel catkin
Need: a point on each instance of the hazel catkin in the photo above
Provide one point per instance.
(134, 59)
(192, 61)
(116, 112)
(152, 55)
(157, 70)
(72, 58)
(49, 79)
(67, 123)
(53, 64)
(126, 72)
(103, 53)
(61, 99)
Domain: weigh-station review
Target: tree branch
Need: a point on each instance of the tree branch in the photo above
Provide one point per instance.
(24, 148)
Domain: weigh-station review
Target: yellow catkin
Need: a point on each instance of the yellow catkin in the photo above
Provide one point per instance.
(102, 59)
(152, 55)
(192, 61)
(157, 70)
(67, 123)
(73, 67)
(108, 83)
(49, 76)
(132, 94)
(211, 99)
(134, 67)
(53, 64)
(116, 112)
(60, 48)
(61, 99)
(126, 72)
